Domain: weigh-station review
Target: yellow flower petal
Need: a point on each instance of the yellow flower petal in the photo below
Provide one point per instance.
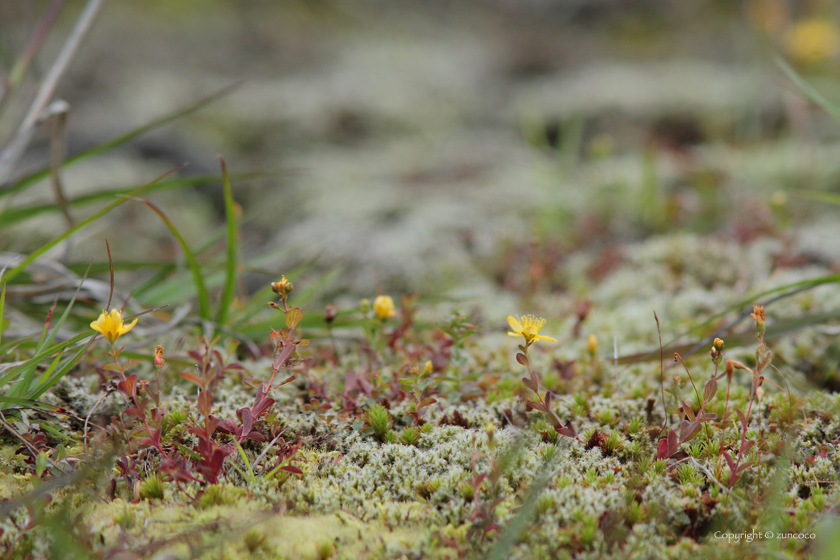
(528, 327)
(110, 324)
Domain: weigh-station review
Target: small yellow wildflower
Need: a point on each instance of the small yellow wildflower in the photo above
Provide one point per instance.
(111, 325)
(813, 40)
(592, 345)
(384, 307)
(528, 327)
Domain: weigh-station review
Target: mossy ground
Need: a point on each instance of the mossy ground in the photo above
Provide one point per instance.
(494, 172)
(457, 490)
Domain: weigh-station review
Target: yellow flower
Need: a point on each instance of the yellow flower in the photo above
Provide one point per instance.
(384, 307)
(813, 40)
(528, 327)
(111, 325)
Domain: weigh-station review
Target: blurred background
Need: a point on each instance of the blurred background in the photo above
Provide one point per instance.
(477, 150)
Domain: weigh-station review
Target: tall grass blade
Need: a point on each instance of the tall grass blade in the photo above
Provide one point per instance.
(43, 249)
(22, 386)
(198, 279)
(14, 215)
(24, 182)
(810, 91)
(2, 308)
(230, 265)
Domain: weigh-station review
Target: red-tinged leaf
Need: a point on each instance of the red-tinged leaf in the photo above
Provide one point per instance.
(129, 386)
(741, 417)
(547, 400)
(227, 427)
(710, 391)
(255, 435)
(522, 359)
(530, 384)
(134, 411)
(247, 420)
(211, 424)
(534, 405)
(428, 401)
(690, 430)
(706, 416)
(292, 469)
(190, 377)
(282, 356)
(205, 402)
(287, 380)
(569, 429)
(746, 446)
(745, 466)
(733, 478)
(687, 411)
(662, 449)
(264, 405)
(673, 442)
(729, 461)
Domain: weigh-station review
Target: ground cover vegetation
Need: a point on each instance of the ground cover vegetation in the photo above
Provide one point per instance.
(183, 416)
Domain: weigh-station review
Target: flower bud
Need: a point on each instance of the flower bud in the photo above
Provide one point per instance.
(282, 287)
(384, 307)
(159, 361)
(592, 345)
(329, 313)
(758, 315)
(364, 306)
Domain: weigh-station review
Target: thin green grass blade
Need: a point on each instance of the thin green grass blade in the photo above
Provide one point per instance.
(2, 308)
(737, 339)
(810, 91)
(230, 264)
(43, 249)
(795, 288)
(22, 386)
(14, 215)
(15, 372)
(25, 403)
(245, 460)
(108, 145)
(160, 289)
(58, 374)
(818, 196)
(175, 288)
(64, 315)
(131, 266)
(198, 280)
(50, 369)
(257, 302)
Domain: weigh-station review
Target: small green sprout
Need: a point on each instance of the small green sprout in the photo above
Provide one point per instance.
(152, 488)
(379, 421)
(635, 425)
(410, 436)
